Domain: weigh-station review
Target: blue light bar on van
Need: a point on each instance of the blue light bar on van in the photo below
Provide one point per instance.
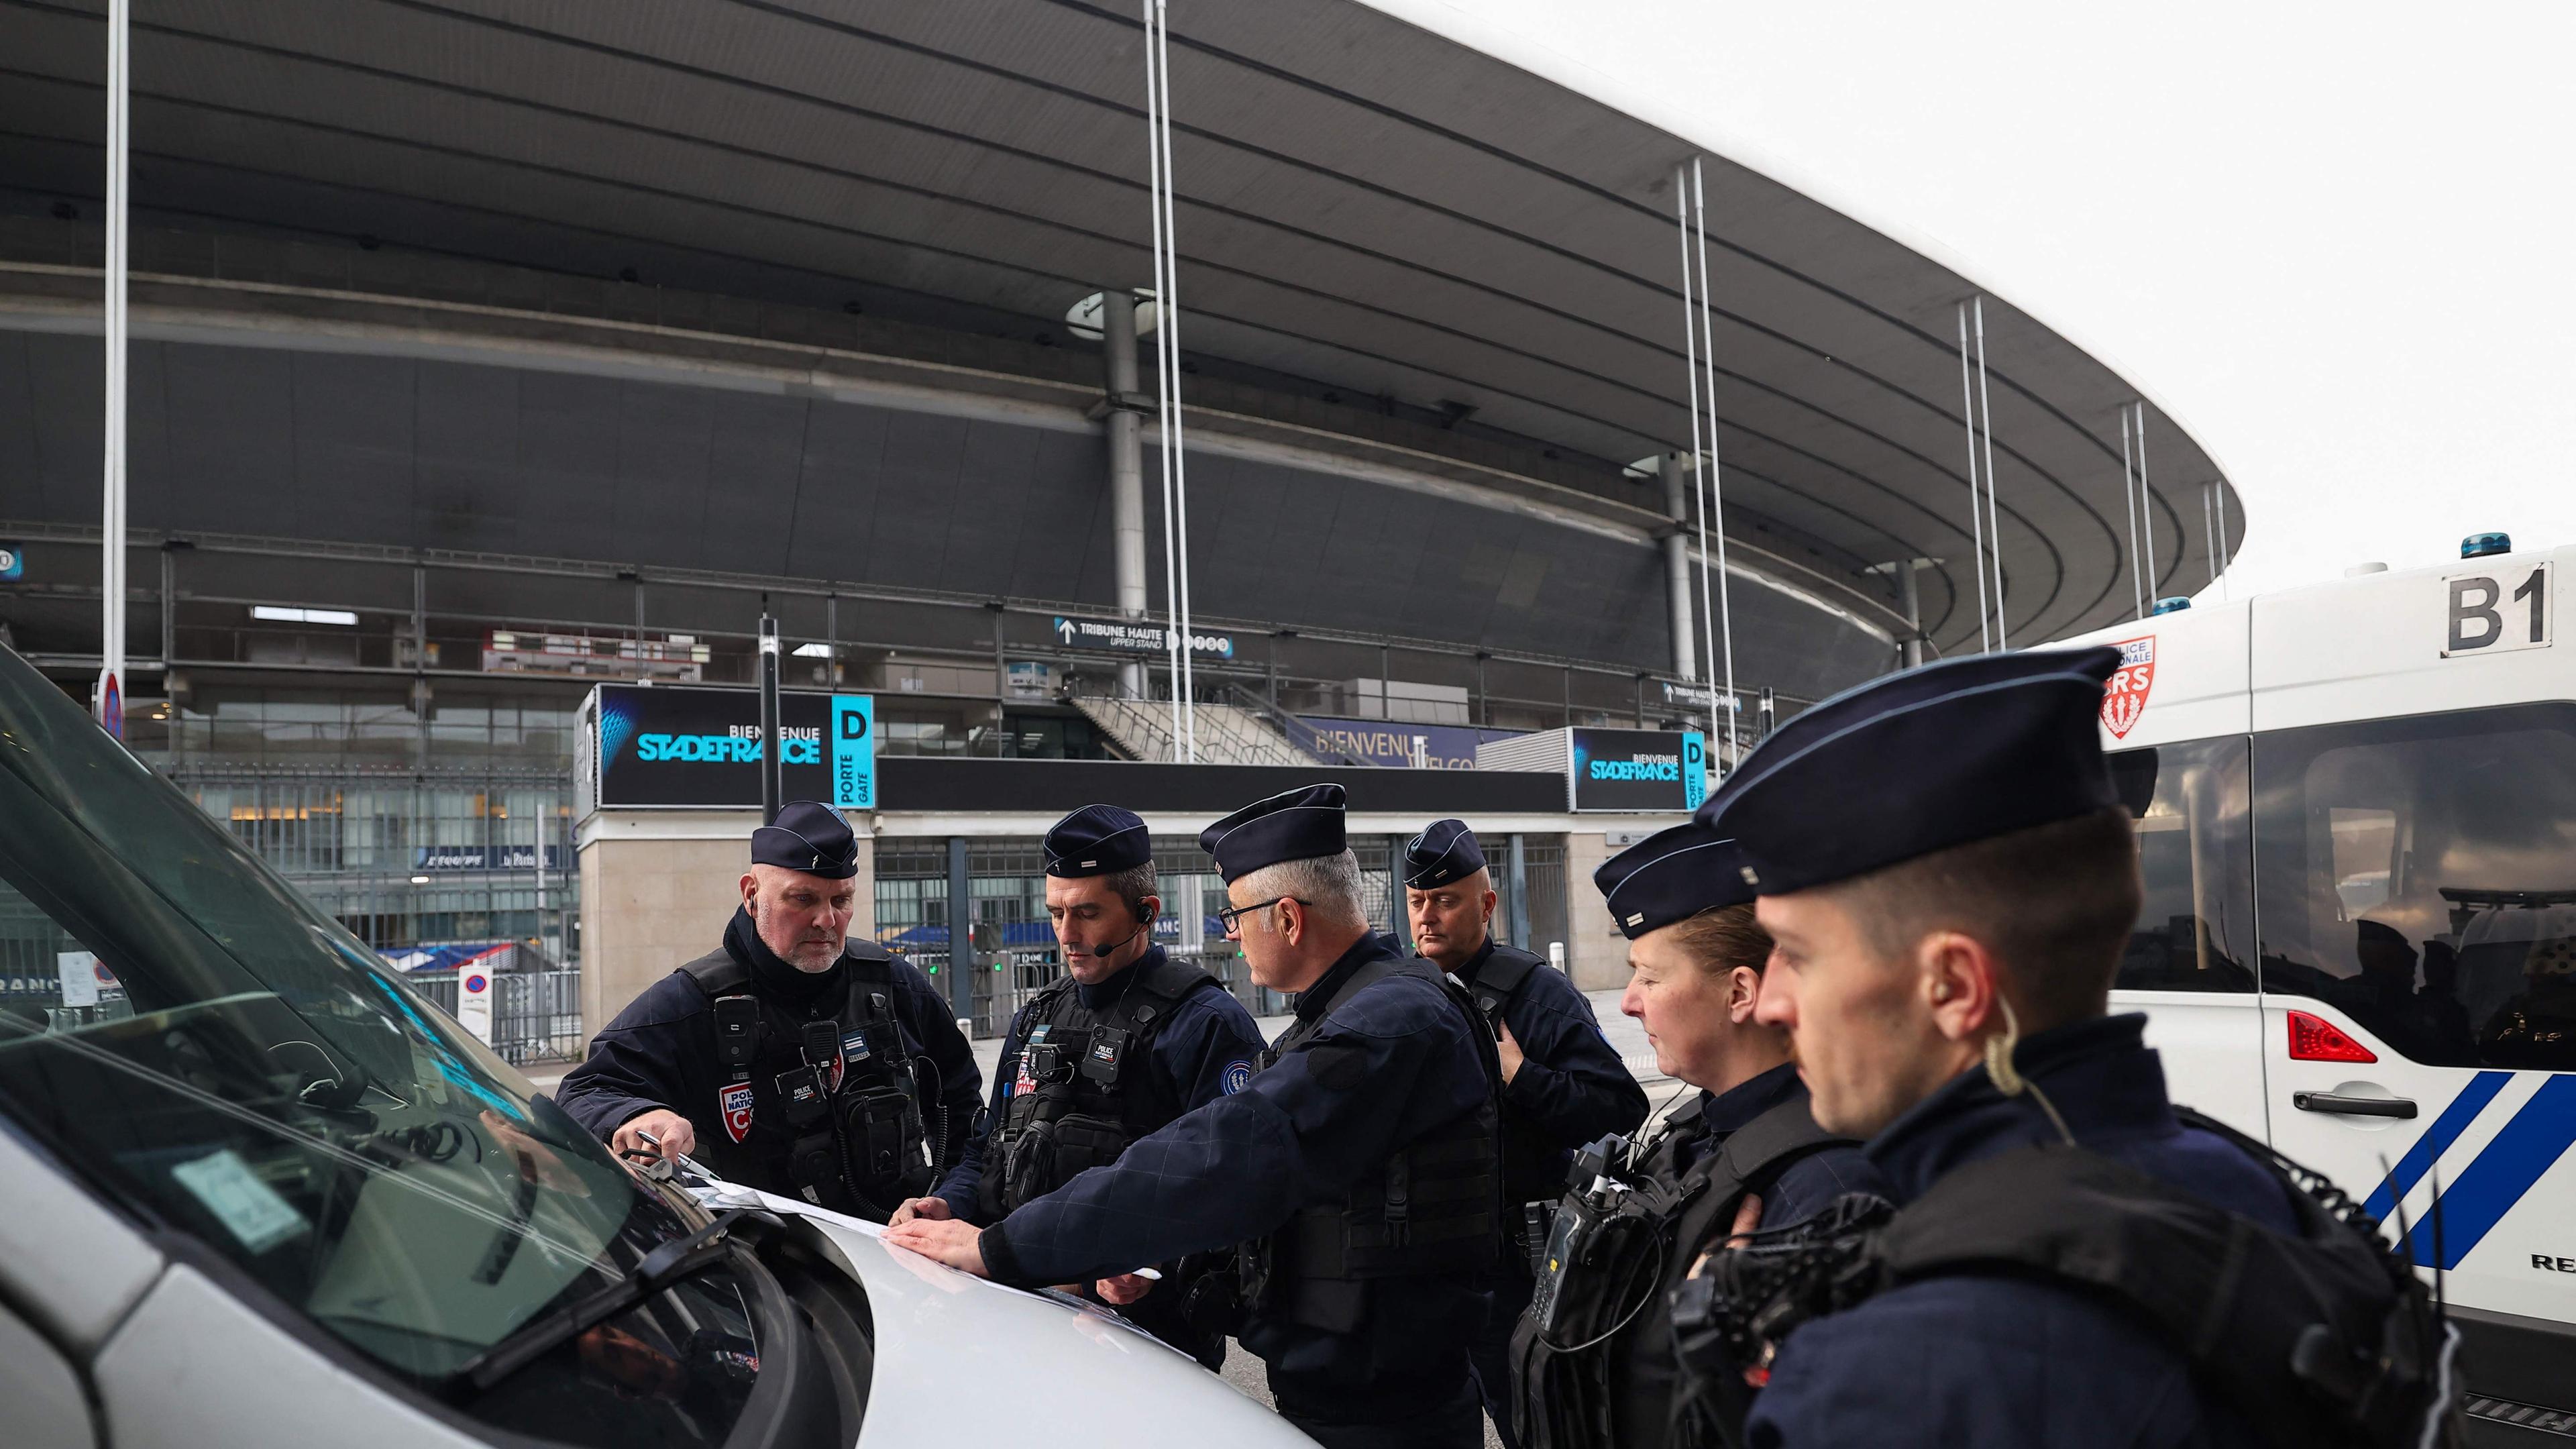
(2172, 605)
(2479, 545)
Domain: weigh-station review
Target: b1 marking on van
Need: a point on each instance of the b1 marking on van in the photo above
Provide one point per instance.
(2124, 696)
(2491, 613)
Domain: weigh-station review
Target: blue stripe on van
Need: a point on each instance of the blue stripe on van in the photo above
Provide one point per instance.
(2437, 1139)
(2537, 1136)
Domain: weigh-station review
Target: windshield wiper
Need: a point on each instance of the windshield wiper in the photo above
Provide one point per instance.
(661, 1268)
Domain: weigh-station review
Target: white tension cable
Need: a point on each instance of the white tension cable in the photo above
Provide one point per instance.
(1167, 380)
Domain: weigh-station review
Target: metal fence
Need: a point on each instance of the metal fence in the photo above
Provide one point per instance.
(536, 1015)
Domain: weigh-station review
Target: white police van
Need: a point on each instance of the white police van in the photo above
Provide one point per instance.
(255, 1190)
(2356, 810)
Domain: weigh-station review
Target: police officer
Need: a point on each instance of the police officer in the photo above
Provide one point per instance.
(791, 1058)
(1950, 881)
(1125, 1041)
(1360, 1159)
(1597, 1365)
(1562, 1084)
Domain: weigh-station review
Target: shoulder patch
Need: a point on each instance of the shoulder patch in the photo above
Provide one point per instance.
(1238, 1075)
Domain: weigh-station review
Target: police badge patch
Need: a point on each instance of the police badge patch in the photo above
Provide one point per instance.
(2124, 695)
(1238, 1075)
(734, 1103)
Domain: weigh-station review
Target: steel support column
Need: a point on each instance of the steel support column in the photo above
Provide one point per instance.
(1126, 467)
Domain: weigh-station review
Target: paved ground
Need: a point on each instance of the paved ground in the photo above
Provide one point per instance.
(1241, 1369)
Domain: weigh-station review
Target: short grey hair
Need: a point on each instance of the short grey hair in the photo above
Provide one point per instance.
(1133, 885)
(1328, 884)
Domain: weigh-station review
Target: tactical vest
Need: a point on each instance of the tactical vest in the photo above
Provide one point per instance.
(2321, 1338)
(1527, 1151)
(854, 1113)
(1082, 1089)
(1592, 1356)
(1434, 1208)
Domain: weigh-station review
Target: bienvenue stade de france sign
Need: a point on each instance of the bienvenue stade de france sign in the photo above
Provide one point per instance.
(1135, 636)
(668, 748)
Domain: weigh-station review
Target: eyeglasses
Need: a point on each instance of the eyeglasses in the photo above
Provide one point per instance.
(1231, 917)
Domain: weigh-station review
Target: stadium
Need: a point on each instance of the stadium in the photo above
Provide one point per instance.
(484, 354)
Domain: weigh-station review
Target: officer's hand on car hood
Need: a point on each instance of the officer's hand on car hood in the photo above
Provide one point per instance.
(953, 1243)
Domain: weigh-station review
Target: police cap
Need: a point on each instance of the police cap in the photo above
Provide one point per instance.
(1097, 840)
(811, 837)
(1941, 756)
(1444, 853)
(1299, 824)
(1671, 876)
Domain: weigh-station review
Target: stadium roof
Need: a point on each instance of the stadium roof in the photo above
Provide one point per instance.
(1370, 216)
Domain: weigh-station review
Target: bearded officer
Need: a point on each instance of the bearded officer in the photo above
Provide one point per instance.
(1125, 1041)
(1950, 880)
(1360, 1159)
(791, 1058)
(1562, 1084)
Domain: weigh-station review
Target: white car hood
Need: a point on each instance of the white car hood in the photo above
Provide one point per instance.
(961, 1360)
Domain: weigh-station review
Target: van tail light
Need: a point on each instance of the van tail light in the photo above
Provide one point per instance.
(2315, 1039)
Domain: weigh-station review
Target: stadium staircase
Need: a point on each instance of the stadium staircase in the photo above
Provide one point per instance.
(1227, 734)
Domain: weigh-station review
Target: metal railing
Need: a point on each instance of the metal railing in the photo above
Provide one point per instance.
(536, 1015)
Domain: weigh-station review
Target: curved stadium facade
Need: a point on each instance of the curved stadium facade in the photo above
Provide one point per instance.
(549, 344)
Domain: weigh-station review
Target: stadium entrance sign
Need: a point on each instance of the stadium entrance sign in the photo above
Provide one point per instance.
(1135, 636)
(680, 749)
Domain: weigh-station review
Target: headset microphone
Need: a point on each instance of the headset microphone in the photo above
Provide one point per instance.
(1143, 924)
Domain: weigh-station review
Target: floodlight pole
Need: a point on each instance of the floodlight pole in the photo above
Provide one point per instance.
(1976, 513)
(2129, 496)
(1716, 472)
(2146, 502)
(1690, 391)
(1994, 523)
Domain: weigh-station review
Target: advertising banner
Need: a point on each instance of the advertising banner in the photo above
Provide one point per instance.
(1379, 742)
(1661, 770)
(483, 857)
(700, 748)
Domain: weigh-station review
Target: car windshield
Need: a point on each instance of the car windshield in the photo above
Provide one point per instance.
(203, 1047)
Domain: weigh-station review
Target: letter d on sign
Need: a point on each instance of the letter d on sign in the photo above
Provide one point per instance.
(854, 751)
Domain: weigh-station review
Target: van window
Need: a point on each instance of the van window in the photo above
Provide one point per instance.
(2195, 932)
(197, 1044)
(2421, 875)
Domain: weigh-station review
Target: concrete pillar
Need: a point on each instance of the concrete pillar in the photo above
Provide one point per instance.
(1126, 467)
(1912, 575)
(658, 886)
(962, 963)
(1678, 598)
(1909, 589)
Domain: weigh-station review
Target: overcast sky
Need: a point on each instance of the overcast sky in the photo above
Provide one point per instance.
(2339, 242)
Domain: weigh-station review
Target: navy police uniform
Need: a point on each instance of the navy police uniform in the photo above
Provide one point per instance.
(859, 1065)
(1359, 1160)
(2004, 1360)
(1920, 762)
(1570, 1088)
(1597, 1364)
(1088, 1068)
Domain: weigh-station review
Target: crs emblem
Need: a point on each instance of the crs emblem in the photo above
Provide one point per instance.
(2124, 697)
(734, 1103)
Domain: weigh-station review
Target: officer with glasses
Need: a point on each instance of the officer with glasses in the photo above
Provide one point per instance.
(1357, 1167)
(791, 1058)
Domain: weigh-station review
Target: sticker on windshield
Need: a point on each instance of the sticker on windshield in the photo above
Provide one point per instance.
(2124, 696)
(248, 1207)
